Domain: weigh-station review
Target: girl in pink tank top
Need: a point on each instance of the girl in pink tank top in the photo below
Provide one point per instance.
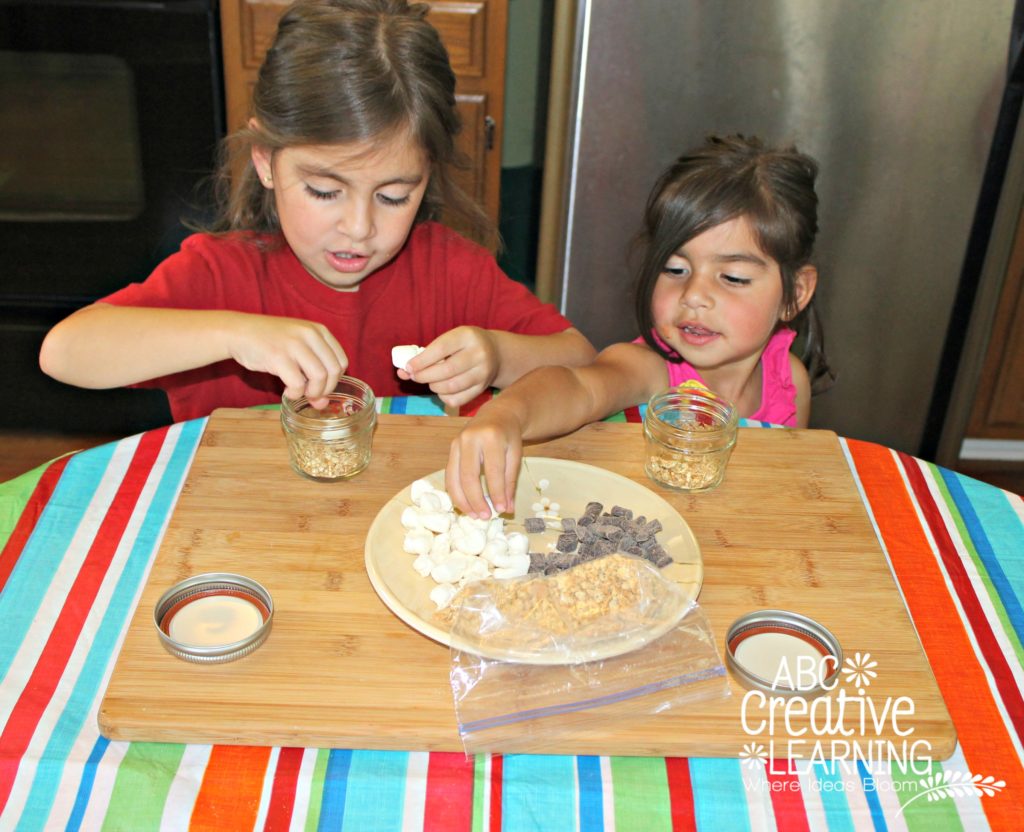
(724, 285)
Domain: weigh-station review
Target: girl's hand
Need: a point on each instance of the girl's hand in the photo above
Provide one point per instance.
(458, 365)
(303, 354)
(490, 444)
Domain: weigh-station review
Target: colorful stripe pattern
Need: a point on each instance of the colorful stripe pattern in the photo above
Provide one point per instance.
(78, 538)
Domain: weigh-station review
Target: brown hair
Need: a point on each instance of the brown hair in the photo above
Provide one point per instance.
(344, 71)
(725, 178)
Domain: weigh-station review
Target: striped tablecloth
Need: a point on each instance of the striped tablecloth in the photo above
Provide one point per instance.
(78, 538)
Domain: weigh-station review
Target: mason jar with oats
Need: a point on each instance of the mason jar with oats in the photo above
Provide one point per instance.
(332, 442)
(690, 433)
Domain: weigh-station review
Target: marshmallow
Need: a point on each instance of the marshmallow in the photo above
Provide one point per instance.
(436, 521)
(442, 595)
(518, 543)
(402, 355)
(518, 565)
(476, 571)
(451, 570)
(417, 541)
(495, 552)
(418, 489)
(411, 518)
(423, 564)
(441, 547)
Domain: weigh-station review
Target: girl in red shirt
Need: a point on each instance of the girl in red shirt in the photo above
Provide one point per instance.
(325, 254)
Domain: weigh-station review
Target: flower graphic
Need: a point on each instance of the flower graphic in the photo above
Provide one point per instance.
(952, 784)
(754, 754)
(859, 670)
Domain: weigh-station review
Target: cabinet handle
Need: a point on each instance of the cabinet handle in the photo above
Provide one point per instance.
(489, 125)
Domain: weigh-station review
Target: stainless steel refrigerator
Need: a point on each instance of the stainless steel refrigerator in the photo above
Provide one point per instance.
(905, 105)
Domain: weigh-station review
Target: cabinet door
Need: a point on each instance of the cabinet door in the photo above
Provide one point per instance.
(474, 33)
(998, 411)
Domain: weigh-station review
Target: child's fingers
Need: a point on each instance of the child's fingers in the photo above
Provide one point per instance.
(450, 355)
(513, 458)
(496, 477)
(452, 478)
(468, 473)
(462, 388)
(323, 362)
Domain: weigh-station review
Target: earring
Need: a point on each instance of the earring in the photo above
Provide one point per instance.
(268, 179)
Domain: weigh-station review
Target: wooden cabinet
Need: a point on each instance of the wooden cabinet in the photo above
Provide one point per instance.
(474, 33)
(998, 410)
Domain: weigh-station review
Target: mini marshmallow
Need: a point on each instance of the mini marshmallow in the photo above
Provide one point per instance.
(442, 595)
(436, 521)
(495, 550)
(469, 542)
(423, 564)
(476, 571)
(403, 354)
(467, 523)
(518, 566)
(496, 528)
(429, 501)
(419, 488)
(518, 543)
(411, 518)
(451, 570)
(417, 541)
(441, 547)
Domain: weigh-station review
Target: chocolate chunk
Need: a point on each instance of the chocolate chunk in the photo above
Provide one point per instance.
(619, 511)
(568, 524)
(567, 542)
(593, 509)
(606, 530)
(534, 525)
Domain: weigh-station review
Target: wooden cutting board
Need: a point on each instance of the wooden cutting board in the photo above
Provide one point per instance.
(787, 529)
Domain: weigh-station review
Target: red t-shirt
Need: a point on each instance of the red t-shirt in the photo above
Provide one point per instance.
(437, 282)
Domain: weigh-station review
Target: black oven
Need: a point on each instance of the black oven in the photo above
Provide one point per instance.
(110, 114)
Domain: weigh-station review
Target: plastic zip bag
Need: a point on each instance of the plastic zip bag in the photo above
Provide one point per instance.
(532, 672)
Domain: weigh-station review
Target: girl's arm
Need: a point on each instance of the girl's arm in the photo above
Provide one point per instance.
(802, 382)
(547, 402)
(463, 362)
(519, 354)
(104, 346)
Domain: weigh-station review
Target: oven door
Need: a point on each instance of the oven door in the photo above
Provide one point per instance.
(110, 114)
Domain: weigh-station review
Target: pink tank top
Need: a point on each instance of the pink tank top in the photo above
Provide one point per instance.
(778, 393)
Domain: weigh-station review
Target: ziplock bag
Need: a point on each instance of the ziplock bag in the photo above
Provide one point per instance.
(538, 662)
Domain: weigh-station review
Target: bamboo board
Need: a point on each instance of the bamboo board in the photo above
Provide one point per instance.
(787, 529)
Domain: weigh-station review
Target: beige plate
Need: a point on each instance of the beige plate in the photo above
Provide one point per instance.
(572, 486)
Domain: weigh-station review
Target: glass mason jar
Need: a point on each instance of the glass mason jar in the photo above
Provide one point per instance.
(689, 433)
(331, 443)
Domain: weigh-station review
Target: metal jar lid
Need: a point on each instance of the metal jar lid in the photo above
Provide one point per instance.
(783, 653)
(214, 585)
